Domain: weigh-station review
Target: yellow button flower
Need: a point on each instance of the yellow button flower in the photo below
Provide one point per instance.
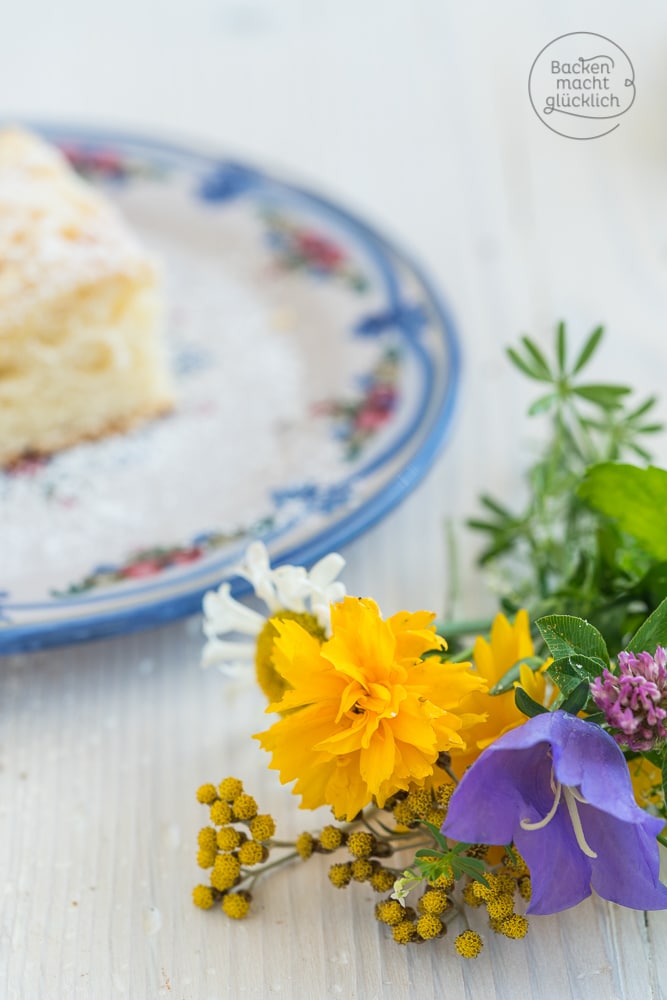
(367, 714)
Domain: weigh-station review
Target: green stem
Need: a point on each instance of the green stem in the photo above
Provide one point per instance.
(472, 626)
(254, 875)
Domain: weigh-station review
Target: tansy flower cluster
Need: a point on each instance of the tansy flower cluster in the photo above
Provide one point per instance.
(238, 839)
(444, 883)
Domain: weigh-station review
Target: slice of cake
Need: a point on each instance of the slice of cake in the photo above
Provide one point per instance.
(81, 353)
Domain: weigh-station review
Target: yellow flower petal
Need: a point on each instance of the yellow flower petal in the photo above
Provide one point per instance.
(497, 714)
(367, 715)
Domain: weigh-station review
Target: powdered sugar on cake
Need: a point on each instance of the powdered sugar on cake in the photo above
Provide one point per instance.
(56, 235)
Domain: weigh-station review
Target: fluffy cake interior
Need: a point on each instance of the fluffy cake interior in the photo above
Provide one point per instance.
(81, 352)
(79, 368)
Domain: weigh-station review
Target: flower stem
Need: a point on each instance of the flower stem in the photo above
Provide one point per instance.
(470, 626)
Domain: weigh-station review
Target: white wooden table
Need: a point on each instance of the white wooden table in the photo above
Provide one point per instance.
(418, 116)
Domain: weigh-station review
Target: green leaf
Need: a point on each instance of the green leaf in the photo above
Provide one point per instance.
(526, 368)
(588, 349)
(570, 671)
(650, 428)
(651, 755)
(495, 506)
(511, 854)
(488, 555)
(653, 585)
(436, 833)
(426, 852)
(640, 452)
(470, 866)
(478, 525)
(647, 405)
(597, 717)
(606, 396)
(561, 347)
(576, 699)
(635, 498)
(564, 677)
(526, 704)
(652, 633)
(570, 637)
(664, 777)
(540, 362)
(542, 404)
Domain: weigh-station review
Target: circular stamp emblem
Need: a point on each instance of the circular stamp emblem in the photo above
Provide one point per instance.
(580, 84)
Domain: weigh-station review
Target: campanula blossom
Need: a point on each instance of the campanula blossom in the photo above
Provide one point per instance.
(558, 787)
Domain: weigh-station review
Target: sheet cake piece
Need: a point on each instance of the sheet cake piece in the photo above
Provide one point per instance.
(81, 351)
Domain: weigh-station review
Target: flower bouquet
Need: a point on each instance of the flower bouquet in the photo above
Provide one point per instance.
(511, 767)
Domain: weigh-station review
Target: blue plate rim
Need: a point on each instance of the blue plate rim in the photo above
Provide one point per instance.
(38, 635)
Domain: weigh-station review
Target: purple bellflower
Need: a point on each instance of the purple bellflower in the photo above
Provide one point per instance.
(559, 788)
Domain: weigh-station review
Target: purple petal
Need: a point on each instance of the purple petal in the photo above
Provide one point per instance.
(492, 794)
(514, 780)
(587, 757)
(560, 871)
(628, 865)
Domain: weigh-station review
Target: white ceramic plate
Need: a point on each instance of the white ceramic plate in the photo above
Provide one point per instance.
(316, 371)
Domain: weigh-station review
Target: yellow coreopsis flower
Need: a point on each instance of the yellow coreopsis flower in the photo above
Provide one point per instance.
(366, 714)
(508, 645)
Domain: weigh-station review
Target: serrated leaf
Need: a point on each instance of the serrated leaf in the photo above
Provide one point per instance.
(564, 679)
(526, 704)
(652, 633)
(635, 498)
(568, 673)
(567, 636)
(584, 668)
(588, 349)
